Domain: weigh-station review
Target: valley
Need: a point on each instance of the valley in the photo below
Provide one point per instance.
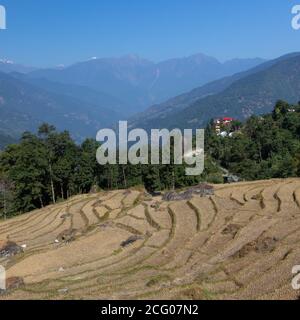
(95, 94)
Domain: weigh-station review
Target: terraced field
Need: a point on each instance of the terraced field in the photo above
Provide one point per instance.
(240, 243)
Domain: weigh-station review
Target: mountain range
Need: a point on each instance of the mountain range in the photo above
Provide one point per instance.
(138, 83)
(93, 94)
(251, 92)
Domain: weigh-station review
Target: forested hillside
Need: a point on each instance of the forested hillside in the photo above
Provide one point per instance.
(265, 147)
(253, 92)
(49, 166)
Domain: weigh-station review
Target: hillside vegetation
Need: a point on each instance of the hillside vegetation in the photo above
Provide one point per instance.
(236, 241)
(264, 147)
(48, 167)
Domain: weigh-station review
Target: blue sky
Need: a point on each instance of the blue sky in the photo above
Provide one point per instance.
(52, 32)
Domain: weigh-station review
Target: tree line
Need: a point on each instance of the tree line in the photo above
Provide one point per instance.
(48, 167)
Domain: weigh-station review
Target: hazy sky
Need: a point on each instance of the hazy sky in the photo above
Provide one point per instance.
(52, 32)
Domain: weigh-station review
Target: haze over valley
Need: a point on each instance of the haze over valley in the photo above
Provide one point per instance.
(94, 94)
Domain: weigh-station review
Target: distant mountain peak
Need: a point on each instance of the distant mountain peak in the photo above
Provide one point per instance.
(201, 57)
(134, 58)
(131, 56)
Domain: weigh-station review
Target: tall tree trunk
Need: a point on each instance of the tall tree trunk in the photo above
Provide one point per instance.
(52, 184)
(41, 201)
(173, 179)
(111, 179)
(62, 191)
